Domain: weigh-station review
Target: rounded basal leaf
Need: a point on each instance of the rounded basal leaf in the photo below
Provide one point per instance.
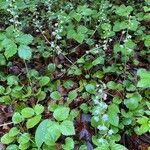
(55, 95)
(44, 81)
(24, 52)
(12, 147)
(144, 81)
(13, 132)
(53, 133)
(2, 60)
(24, 138)
(33, 121)
(72, 95)
(24, 39)
(17, 118)
(90, 88)
(38, 109)
(6, 139)
(41, 131)
(131, 103)
(67, 128)
(12, 80)
(61, 113)
(69, 144)
(27, 112)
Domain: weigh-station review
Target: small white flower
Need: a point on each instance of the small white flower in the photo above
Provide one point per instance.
(104, 96)
(96, 118)
(105, 117)
(102, 128)
(110, 132)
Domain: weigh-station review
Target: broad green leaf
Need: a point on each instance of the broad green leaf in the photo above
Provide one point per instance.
(99, 60)
(69, 144)
(61, 113)
(67, 128)
(147, 41)
(55, 95)
(131, 103)
(10, 48)
(24, 39)
(53, 133)
(24, 138)
(17, 118)
(27, 112)
(41, 131)
(13, 132)
(38, 109)
(72, 95)
(123, 10)
(115, 146)
(12, 147)
(44, 81)
(6, 139)
(33, 121)
(144, 81)
(12, 80)
(90, 88)
(113, 117)
(2, 60)
(24, 52)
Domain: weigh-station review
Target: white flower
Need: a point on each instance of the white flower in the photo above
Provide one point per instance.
(110, 132)
(105, 117)
(102, 128)
(96, 118)
(104, 96)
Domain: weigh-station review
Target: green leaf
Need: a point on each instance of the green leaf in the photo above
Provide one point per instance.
(24, 52)
(38, 109)
(12, 80)
(115, 146)
(27, 112)
(2, 60)
(90, 88)
(53, 133)
(24, 39)
(69, 144)
(113, 117)
(33, 121)
(13, 132)
(41, 131)
(17, 118)
(55, 95)
(144, 81)
(133, 25)
(123, 10)
(67, 128)
(12, 147)
(44, 81)
(131, 103)
(72, 95)
(147, 41)
(61, 113)
(10, 48)
(99, 60)
(6, 139)
(24, 138)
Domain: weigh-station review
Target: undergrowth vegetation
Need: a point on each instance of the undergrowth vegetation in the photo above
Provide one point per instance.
(74, 74)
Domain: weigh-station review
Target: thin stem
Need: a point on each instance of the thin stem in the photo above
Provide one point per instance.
(5, 124)
(27, 70)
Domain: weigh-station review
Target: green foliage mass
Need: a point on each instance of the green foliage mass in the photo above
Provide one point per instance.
(74, 72)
